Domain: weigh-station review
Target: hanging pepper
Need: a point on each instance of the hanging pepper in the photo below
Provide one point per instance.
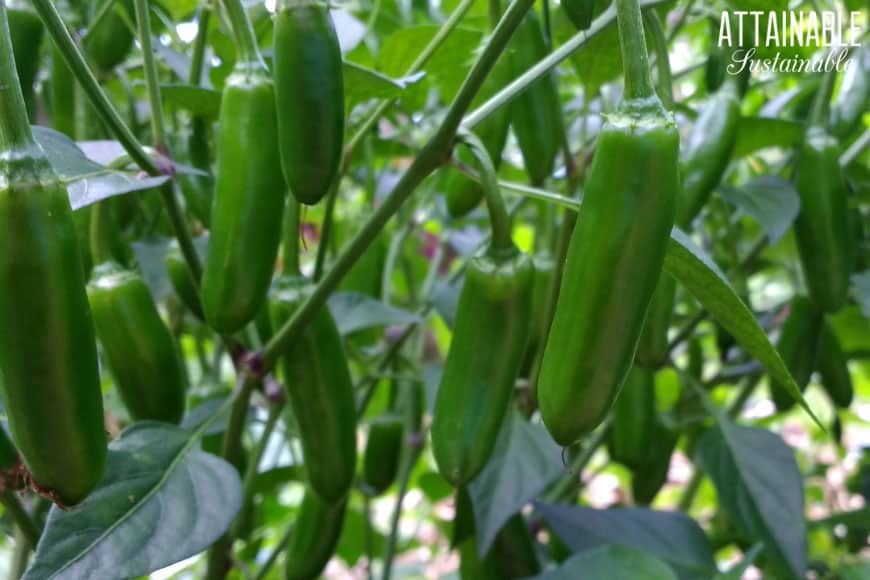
(634, 416)
(537, 112)
(248, 202)
(616, 251)
(834, 369)
(317, 529)
(798, 346)
(383, 449)
(48, 355)
(489, 338)
(651, 473)
(309, 89)
(137, 345)
(182, 280)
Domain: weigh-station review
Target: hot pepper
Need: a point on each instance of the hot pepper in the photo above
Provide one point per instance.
(634, 416)
(798, 346)
(137, 345)
(834, 369)
(616, 251)
(317, 529)
(309, 89)
(248, 202)
(182, 280)
(489, 338)
(383, 449)
(48, 355)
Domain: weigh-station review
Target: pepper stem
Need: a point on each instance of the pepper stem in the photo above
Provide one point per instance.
(292, 232)
(243, 32)
(663, 66)
(635, 58)
(498, 215)
(14, 125)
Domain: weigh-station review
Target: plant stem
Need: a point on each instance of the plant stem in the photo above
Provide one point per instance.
(408, 460)
(244, 34)
(326, 230)
(498, 215)
(855, 149)
(14, 124)
(273, 557)
(74, 59)
(632, 44)
(822, 102)
(152, 83)
(19, 515)
(290, 258)
(665, 79)
(197, 61)
(579, 464)
(434, 153)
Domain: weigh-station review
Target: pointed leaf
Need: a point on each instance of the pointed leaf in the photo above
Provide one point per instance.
(611, 562)
(160, 501)
(771, 200)
(353, 312)
(673, 537)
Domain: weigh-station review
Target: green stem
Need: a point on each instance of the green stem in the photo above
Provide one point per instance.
(408, 460)
(19, 515)
(855, 149)
(434, 154)
(152, 82)
(498, 215)
(681, 22)
(290, 258)
(665, 80)
(75, 60)
(632, 44)
(197, 60)
(579, 463)
(273, 556)
(14, 124)
(243, 32)
(822, 102)
(544, 66)
(326, 230)
(691, 490)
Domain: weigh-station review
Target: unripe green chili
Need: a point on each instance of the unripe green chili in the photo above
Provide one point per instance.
(48, 355)
(834, 369)
(616, 251)
(708, 152)
(648, 478)
(109, 43)
(182, 281)
(542, 295)
(248, 202)
(537, 111)
(27, 32)
(821, 228)
(138, 347)
(489, 338)
(314, 538)
(798, 347)
(652, 349)
(309, 90)
(320, 390)
(634, 416)
(383, 449)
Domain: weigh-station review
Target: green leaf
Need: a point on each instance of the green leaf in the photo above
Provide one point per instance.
(353, 312)
(597, 63)
(673, 537)
(760, 487)
(161, 500)
(771, 200)
(362, 84)
(757, 133)
(199, 101)
(525, 461)
(611, 562)
(703, 279)
(737, 571)
(87, 181)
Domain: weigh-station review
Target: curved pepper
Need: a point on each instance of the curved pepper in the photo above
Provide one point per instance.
(309, 89)
(798, 347)
(648, 478)
(314, 539)
(834, 369)
(248, 203)
(182, 280)
(137, 345)
(383, 449)
(634, 416)
(320, 390)
(537, 111)
(822, 228)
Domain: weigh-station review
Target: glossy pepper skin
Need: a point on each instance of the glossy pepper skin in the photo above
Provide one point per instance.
(27, 32)
(651, 474)
(634, 416)
(318, 385)
(109, 43)
(182, 280)
(536, 113)
(463, 194)
(821, 228)
(798, 346)
(383, 449)
(248, 203)
(138, 347)
(489, 339)
(48, 355)
(309, 89)
(708, 152)
(834, 369)
(613, 264)
(317, 530)
(652, 349)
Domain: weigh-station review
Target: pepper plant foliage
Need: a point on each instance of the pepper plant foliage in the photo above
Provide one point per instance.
(386, 199)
